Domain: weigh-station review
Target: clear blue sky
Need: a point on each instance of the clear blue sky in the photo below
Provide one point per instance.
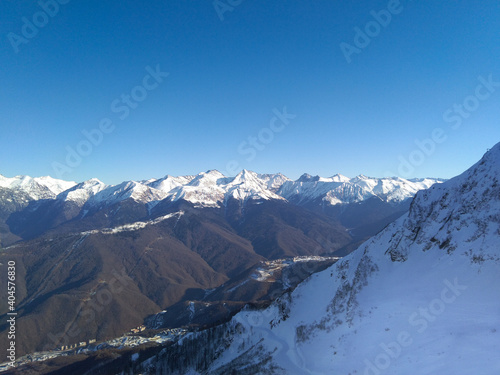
(227, 76)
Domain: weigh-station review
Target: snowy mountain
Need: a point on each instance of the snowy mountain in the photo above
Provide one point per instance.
(168, 183)
(82, 192)
(36, 188)
(421, 297)
(340, 189)
(213, 189)
(29, 207)
(126, 190)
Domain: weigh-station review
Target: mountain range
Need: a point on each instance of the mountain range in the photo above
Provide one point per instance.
(167, 242)
(420, 297)
(212, 188)
(31, 206)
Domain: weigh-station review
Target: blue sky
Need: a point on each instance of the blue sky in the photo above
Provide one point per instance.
(228, 77)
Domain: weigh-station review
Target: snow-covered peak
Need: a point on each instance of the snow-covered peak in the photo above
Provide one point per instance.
(246, 177)
(168, 183)
(306, 177)
(211, 177)
(128, 189)
(248, 185)
(54, 185)
(82, 192)
(213, 189)
(202, 190)
(339, 189)
(37, 188)
(274, 181)
(339, 178)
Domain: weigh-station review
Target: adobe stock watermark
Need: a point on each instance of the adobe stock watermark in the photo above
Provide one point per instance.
(420, 321)
(88, 311)
(372, 29)
(265, 136)
(455, 116)
(224, 6)
(121, 107)
(31, 26)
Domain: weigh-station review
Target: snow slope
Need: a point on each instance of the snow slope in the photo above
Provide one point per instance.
(421, 297)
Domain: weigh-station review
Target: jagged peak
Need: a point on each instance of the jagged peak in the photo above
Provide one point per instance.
(36, 187)
(208, 177)
(93, 181)
(213, 172)
(306, 177)
(339, 178)
(212, 186)
(245, 175)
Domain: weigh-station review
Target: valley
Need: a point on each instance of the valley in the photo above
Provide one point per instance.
(95, 261)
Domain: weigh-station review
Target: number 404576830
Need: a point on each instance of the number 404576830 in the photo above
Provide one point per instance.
(11, 285)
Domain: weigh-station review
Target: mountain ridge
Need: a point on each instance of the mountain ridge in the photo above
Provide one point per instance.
(212, 188)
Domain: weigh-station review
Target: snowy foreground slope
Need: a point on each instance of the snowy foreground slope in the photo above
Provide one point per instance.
(421, 297)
